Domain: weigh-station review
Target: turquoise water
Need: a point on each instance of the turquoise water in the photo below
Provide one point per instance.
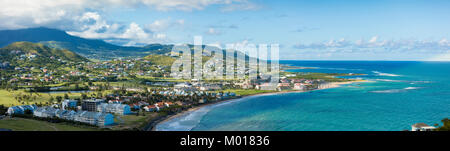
(401, 94)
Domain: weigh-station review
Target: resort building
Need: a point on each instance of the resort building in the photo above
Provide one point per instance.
(45, 112)
(91, 105)
(94, 118)
(120, 109)
(299, 86)
(20, 109)
(421, 127)
(69, 115)
(211, 87)
(69, 104)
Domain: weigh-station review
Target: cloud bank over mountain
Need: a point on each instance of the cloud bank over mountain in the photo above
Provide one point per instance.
(84, 17)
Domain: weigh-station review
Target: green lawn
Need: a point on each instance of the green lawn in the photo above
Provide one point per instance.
(133, 121)
(20, 124)
(7, 98)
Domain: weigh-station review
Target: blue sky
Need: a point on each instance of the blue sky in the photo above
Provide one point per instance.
(305, 29)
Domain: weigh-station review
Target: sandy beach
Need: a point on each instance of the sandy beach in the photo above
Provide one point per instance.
(329, 86)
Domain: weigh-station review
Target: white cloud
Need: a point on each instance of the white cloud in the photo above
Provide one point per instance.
(378, 46)
(160, 36)
(241, 5)
(180, 22)
(31, 13)
(441, 57)
(164, 24)
(76, 17)
(373, 39)
(213, 31)
(93, 26)
(134, 31)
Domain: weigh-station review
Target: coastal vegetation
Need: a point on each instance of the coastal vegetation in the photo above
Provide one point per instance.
(445, 125)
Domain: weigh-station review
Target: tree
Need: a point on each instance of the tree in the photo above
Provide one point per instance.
(59, 99)
(66, 96)
(445, 126)
(51, 99)
(100, 94)
(84, 96)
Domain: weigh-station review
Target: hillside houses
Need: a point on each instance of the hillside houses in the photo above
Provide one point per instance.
(158, 106)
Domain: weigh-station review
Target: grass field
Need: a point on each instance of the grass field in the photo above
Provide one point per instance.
(7, 97)
(133, 121)
(20, 124)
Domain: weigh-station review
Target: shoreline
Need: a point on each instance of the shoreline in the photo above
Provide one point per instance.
(153, 124)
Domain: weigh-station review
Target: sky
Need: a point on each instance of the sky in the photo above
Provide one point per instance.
(304, 29)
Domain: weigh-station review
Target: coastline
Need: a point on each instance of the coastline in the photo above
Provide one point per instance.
(153, 124)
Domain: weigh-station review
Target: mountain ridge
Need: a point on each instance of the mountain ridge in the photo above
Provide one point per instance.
(92, 48)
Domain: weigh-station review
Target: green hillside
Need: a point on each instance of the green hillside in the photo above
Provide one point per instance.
(29, 54)
(160, 60)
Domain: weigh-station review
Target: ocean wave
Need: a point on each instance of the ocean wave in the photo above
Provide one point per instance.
(396, 90)
(185, 122)
(388, 80)
(389, 91)
(420, 82)
(342, 69)
(412, 88)
(385, 74)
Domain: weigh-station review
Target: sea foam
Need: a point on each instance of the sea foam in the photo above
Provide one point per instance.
(385, 74)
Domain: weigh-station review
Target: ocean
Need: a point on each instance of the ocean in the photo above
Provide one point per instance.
(402, 93)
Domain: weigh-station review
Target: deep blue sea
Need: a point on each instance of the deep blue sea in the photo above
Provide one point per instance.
(401, 94)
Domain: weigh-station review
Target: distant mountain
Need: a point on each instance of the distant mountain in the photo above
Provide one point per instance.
(91, 48)
(27, 54)
(87, 47)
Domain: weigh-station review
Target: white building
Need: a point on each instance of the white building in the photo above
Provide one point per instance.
(45, 112)
(121, 109)
(299, 86)
(421, 127)
(21, 109)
